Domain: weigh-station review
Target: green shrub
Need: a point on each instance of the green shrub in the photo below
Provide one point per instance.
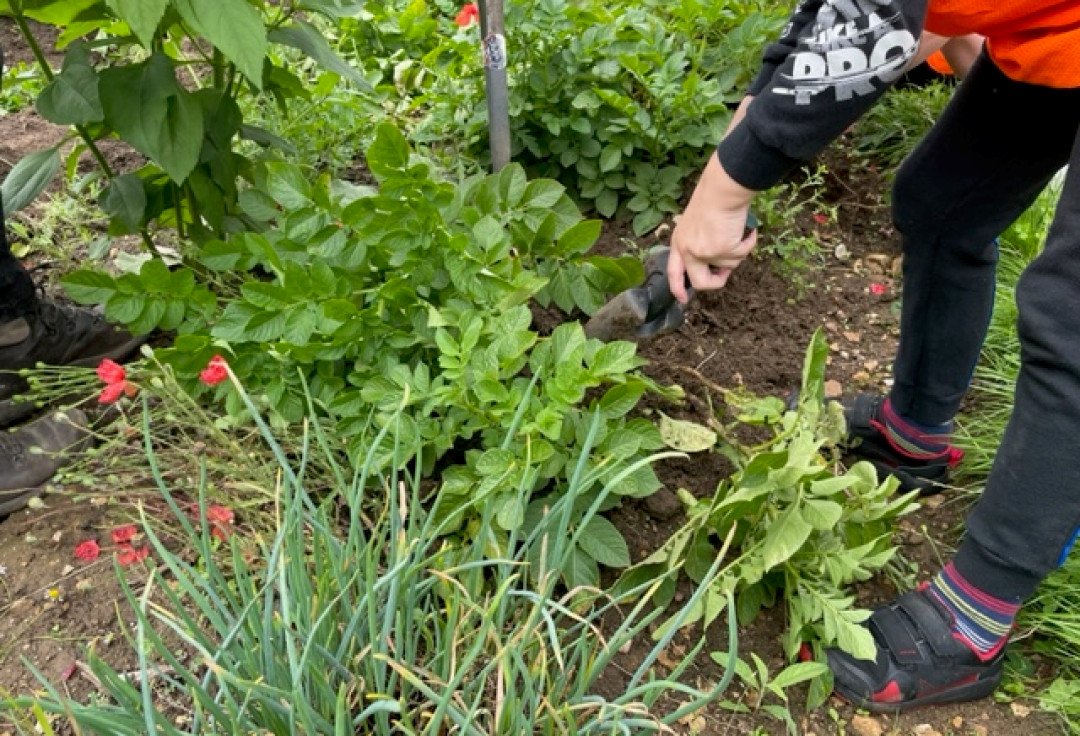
(620, 102)
(411, 301)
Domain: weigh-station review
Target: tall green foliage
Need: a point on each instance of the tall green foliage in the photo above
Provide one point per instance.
(411, 301)
(170, 84)
(803, 526)
(620, 102)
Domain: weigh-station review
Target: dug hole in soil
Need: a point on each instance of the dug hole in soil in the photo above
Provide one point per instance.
(753, 333)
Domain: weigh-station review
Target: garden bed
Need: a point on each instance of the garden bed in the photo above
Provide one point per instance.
(752, 334)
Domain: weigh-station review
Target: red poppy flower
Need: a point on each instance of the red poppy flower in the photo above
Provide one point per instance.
(469, 14)
(112, 392)
(111, 372)
(216, 371)
(219, 515)
(87, 551)
(877, 289)
(124, 534)
(128, 555)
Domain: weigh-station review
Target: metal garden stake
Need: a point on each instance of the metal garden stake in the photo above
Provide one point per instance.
(493, 48)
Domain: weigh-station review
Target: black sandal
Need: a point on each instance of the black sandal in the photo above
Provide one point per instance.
(919, 662)
(868, 443)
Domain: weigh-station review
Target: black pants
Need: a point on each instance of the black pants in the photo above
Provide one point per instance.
(994, 149)
(16, 287)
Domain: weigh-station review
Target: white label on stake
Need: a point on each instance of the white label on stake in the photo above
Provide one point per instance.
(494, 48)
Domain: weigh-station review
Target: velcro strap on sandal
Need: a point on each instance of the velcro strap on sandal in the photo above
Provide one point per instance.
(895, 630)
(910, 621)
(931, 620)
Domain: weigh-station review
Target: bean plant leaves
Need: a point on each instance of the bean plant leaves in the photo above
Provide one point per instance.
(152, 112)
(142, 16)
(235, 27)
(125, 199)
(28, 178)
(71, 98)
(307, 38)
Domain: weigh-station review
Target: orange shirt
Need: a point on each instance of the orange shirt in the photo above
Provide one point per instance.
(1033, 41)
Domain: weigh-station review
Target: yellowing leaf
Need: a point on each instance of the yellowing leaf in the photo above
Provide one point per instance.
(686, 436)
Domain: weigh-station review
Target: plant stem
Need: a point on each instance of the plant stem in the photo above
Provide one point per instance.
(84, 134)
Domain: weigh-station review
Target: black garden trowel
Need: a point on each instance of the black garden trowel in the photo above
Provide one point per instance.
(648, 310)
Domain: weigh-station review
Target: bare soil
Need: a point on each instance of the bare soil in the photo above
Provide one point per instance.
(752, 333)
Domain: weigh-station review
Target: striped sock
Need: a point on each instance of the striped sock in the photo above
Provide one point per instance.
(914, 440)
(980, 620)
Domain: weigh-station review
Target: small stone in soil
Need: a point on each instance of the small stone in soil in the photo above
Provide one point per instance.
(866, 726)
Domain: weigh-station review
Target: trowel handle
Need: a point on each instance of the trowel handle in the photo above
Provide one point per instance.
(656, 282)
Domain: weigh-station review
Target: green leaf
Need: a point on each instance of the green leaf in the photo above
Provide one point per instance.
(287, 184)
(604, 543)
(610, 157)
(580, 237)
(620, 399)
(581, 569)
(796, 673)
(300, 325)
(510, 511)
(258, 204)
(615, 358)
(607, 202)
(235, 27)
(389, 154)
(821, 514)
(89, 287)
(71, 98)
(142, 16)
(125, 308)
(686, 436)
(267, 296)
(155, 276)
(647, 221)
(152, 112)
(124, 199)
(305, 37)
(813, 377)
(489, 233)
(543, 193)
(152, 313)
(512, 184)
(785, 537)
(28, 178)
(495, 462)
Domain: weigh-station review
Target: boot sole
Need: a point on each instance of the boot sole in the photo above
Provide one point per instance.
(960, 694)
(19, 502)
